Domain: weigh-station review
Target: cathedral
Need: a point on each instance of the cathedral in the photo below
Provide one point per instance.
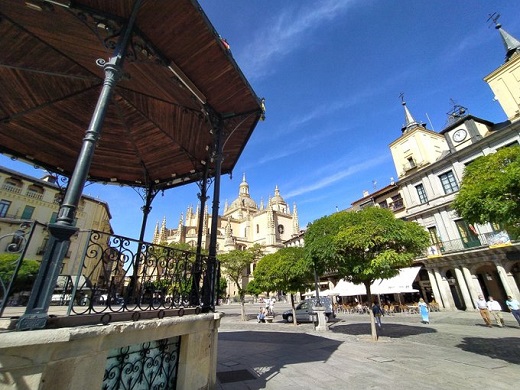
(242, 224)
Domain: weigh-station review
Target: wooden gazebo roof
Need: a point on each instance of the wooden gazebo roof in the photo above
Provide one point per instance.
(178, 74)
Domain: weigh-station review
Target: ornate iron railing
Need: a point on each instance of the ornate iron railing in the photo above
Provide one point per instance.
(117, 276)
(458, 245)
(120, 274)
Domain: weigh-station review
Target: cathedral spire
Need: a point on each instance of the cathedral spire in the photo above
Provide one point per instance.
(511, 44)
(296, 223)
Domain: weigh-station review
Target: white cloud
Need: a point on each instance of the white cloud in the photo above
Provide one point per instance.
(337, 175)
(287, 33)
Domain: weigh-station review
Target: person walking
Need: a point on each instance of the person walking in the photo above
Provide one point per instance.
(496, 310)
(376, 309)
(483, 309)
(514, 307)
(423, 310)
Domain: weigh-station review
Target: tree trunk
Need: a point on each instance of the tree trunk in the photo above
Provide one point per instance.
(373, 329)
(242, 308)
(293, 310)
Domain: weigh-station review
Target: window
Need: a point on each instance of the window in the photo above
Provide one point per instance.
(422, 193)
(411, 162)
(27, 212)
(435, 241)
(468, 234)
(434, 237)
(4, 206)
(383, 204)
(448, 182)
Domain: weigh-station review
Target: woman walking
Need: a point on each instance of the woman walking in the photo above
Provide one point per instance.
(423, 310)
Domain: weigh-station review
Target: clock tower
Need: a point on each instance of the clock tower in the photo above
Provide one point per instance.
(464, 129)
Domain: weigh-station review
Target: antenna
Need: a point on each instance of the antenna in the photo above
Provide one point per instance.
(429, 120)
(494, 18)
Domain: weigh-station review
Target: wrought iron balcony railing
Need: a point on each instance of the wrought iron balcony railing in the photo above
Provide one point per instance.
(459, 245)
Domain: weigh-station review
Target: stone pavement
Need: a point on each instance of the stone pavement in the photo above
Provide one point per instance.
(454, 351)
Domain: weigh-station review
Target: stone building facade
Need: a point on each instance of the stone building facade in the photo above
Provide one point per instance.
(242, 224)
(25, 199)
(463, 260)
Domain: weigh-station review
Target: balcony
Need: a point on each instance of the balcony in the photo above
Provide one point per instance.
(460, 245)
(34, 195)
(397, 205)
(12, 188)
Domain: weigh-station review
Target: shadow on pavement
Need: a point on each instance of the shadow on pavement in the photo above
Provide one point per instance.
(506, 348)
(387, 330)
(268, 353)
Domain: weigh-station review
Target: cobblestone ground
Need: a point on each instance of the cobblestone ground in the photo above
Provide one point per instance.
(454, 351)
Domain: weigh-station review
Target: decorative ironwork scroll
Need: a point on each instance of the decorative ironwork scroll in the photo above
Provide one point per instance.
(150, 365)
(122, 274)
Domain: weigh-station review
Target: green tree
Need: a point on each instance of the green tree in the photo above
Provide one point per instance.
(364, 246)
(234, 265)
(286, 270)
(26, 274)
(490, 190)
(254, 288)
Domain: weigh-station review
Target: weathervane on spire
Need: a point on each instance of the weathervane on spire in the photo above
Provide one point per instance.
(401, 96)
(494, 18)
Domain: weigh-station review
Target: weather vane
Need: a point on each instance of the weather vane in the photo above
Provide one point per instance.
(401, 96)
(494, 17)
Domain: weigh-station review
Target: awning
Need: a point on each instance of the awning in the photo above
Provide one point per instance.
(325, 293)
(345, 288)
(401, 283)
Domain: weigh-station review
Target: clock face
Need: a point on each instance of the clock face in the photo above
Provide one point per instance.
(459, 135)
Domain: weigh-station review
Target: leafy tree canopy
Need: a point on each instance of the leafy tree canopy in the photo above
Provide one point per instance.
(366, 245)
(285, 270)
(490, 190)
(234, 264)
(26, 274)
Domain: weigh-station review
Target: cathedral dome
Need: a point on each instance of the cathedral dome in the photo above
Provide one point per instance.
(243, 200)
(277, 198)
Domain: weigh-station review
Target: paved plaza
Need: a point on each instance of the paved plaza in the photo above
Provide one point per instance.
(455, 351)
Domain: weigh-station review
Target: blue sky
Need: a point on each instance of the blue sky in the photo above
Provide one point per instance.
(331, 73)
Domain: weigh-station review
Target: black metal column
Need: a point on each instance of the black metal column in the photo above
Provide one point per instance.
(197, 269)
(35, 316)
(210, 281)
(133, 288)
